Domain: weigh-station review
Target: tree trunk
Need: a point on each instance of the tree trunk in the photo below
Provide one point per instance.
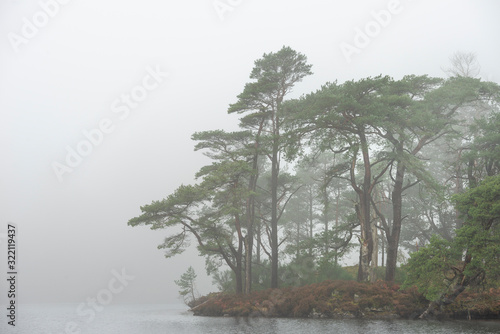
(470, 174)
(274, 216)
(337, 212)
(238, 254)
(392, 254)
(311, 221)
(297, 241)
(325, 221)
(382, 260)
(393, 237)
(258, 237)
(364, 194)
(239, 276)
(374, 263)
(366, 250)
(252, 186)
(434, 308)
(248, 263)
(250, 230)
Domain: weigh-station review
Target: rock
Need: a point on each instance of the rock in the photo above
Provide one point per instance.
(376, 310)
(348, 315)
(316, 315)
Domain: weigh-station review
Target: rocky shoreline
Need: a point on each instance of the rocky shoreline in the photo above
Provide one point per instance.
(345, 300)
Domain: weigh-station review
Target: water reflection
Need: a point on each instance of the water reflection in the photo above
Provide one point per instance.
(161, 319)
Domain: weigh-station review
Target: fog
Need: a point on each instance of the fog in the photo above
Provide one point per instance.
(135, 80)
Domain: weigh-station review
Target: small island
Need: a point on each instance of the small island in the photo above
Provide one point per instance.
(345, 300)
(405, 170)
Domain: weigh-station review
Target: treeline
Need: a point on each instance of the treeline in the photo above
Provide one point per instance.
(371, 164)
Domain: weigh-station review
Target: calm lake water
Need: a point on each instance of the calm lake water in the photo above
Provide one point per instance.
(166, 319)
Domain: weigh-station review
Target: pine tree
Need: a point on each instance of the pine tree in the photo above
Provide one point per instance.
(186, 283)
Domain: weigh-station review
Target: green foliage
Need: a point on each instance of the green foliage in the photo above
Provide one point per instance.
(482, 156)
(186, 283)
(400, 277)
(480, 234)
(305, 270)
(471, 258)
(332, 271)
(430, 269)
(369, 139)
(224, 280)
(274, 74)
(299, 272)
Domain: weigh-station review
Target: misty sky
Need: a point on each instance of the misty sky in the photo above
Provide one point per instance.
(77, 66)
